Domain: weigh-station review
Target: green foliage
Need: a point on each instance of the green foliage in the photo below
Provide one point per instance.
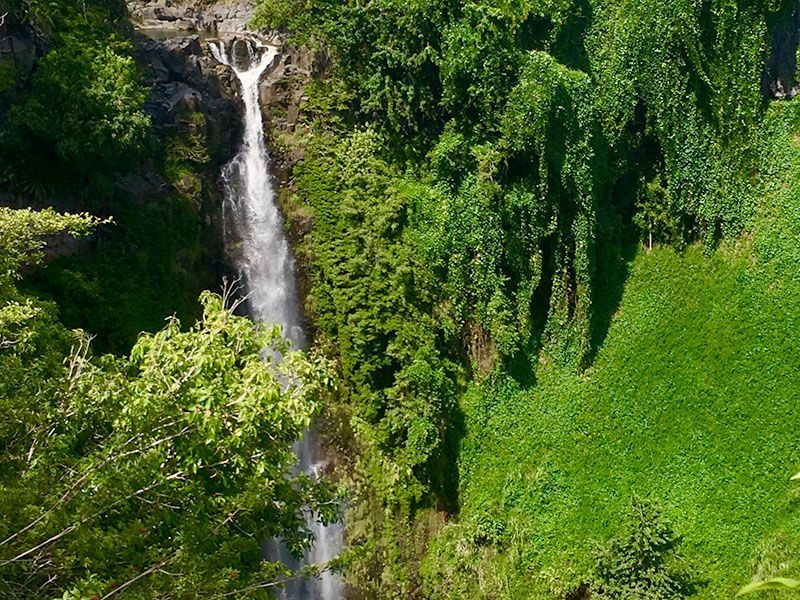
(8, 75)
(484, 50)
(457, 558)
(154, 259)
(119, 472)
(496, 163)
(655, 215)
(371, 302)
(550, 124)
(51, 18)
(83, 116)
(371, 299)
(531, 148)
(695, 69)
(175, 459)
(666, 411)
(186, 155)
(152, 262)
(692, 69)
(386, 51)
(480, 57)
(273, 14)
(640, 563)
(27, 325)
(776, 583)
(23, 235)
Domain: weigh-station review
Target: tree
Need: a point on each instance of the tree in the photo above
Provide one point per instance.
(642, 563)
(83, 116)
(162, 472)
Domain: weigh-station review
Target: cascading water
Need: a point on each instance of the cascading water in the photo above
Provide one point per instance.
(254, 235)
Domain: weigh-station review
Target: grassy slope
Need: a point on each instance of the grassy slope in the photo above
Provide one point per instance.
(693, 400)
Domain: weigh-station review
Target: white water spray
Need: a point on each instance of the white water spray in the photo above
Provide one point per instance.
(255, 236)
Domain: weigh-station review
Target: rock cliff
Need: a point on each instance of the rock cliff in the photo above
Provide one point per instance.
(228, 16)
(185, 78)
(187, 81)
(779, 80)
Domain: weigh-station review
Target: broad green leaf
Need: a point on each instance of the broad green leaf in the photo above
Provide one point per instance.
(779, 583)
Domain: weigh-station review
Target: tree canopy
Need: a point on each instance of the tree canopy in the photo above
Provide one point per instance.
(159, 472)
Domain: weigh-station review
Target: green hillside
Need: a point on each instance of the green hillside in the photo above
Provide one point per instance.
(547, 255)
(693, 402)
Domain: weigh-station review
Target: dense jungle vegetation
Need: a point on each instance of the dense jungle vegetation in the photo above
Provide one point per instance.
(554, 286)
(554, 252)
(159, 470)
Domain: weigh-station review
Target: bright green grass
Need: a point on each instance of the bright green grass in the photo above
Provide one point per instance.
(693, 401)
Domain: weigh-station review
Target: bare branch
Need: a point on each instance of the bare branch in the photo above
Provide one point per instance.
(45, 543)
(77, 360)
(141, 575)
(231, 299)
(71, 528)
(68, 494)
(261, 586)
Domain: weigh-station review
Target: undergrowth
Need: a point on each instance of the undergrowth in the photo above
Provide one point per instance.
(692, 400)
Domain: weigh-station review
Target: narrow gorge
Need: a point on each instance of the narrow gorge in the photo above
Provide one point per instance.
(255, 238)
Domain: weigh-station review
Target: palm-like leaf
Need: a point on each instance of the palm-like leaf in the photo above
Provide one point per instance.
(779, 583)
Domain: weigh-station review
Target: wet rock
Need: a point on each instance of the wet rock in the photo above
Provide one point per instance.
(185, 79)
(282, 94)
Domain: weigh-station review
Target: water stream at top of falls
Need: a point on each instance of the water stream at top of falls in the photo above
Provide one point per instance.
(255, 236)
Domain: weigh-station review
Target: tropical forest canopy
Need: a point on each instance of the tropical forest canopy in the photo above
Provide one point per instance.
(552, 268)
(160, 470)
(546, 239)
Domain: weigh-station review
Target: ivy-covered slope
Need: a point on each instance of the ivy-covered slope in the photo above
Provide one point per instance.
(543, 259)
(691, 404)
(550, 256)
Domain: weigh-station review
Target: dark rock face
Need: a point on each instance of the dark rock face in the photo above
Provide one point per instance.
(282, 93)
(187, 79)
(19, 43)
(779, 78)
(228, 16)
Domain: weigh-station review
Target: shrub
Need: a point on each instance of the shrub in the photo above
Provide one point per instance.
(83, 116)
(642, 563)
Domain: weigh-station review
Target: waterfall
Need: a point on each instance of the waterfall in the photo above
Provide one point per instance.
(255, 237)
